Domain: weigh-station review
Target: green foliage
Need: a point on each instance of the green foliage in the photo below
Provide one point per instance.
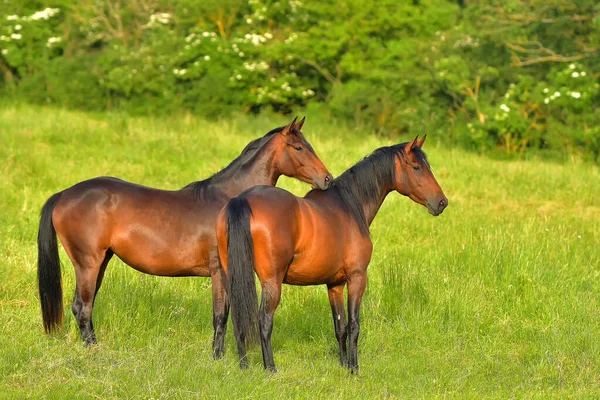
(393, 66)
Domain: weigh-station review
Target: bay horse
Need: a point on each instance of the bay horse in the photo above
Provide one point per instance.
(322, 238)
(158, 232)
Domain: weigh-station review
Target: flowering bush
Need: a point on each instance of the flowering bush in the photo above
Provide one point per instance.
(28, 42)
(469, 71)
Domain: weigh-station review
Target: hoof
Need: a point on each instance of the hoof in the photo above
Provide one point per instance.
(89, 341)
(217, 355)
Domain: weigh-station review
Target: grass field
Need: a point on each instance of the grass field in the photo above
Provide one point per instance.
(496, 298)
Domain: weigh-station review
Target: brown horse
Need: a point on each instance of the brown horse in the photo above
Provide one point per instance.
(158, 232)
(322, 238)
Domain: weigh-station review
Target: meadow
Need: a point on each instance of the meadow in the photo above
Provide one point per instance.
(496, 298)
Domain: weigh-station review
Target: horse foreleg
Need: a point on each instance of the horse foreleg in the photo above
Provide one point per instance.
(336, 300)
(356, 288)
(220, 310)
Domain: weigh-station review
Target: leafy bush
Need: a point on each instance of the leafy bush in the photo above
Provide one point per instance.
(487, 75)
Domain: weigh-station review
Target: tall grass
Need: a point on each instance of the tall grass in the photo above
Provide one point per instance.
(498, 297)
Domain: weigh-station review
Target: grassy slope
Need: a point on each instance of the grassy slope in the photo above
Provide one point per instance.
(498, 297)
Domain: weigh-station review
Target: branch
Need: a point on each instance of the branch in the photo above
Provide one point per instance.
(330, 78)
(543, 54)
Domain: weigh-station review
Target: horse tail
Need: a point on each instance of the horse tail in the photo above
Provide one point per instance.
(49, 277)
(241, 285)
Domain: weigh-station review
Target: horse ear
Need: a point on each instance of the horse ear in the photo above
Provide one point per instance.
(299, 124)
(286, 130)
(411, 145)
(421, 141)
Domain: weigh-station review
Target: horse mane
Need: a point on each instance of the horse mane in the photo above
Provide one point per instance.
(239, 163)
(361, 184)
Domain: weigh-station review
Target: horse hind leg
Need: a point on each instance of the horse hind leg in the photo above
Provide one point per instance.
(89, 272)
(271, 294)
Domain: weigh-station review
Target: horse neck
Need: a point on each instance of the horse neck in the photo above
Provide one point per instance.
(370, 210)
(260, 170)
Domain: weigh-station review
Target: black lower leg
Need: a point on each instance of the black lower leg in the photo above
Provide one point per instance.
(220, 310)
(266, 328)
(336, 300)
(220, 326)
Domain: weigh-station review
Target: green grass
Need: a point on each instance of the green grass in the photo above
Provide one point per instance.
(498, 297)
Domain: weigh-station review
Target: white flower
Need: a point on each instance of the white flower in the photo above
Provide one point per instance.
(45, 14)
(238, 77)
(576, 95)
(18, 27)
(504, 108)
(190, 37)
(241, 54)
(12, 17)
(4, 38)
(546, 100)
(206, 58)
(4, 51)
(268, 35)
(575, 74)
(206, 34)
(572, 66)
(556, 94)
(582, 73)
(249, 20)
(545, 90)
(163, 18)
(183, 72)
(507, 95)
(16, 36)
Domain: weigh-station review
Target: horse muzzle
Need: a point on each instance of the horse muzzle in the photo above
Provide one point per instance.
(438, 206)
(323, 183)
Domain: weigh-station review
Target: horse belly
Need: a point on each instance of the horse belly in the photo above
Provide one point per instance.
(315, 269)
(159, 255)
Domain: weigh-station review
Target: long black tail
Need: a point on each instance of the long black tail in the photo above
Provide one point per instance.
(240, 270)
(49, 278)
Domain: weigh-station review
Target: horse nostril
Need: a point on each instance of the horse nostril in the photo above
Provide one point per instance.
(443, 203)
(327, 178)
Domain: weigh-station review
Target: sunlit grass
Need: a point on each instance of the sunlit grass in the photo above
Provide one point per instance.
(498, 297)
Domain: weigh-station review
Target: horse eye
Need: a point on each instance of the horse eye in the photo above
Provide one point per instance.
(299, 148)
(416, 168)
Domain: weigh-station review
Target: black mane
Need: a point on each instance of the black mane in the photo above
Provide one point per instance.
(239, 163)
(361, 183)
